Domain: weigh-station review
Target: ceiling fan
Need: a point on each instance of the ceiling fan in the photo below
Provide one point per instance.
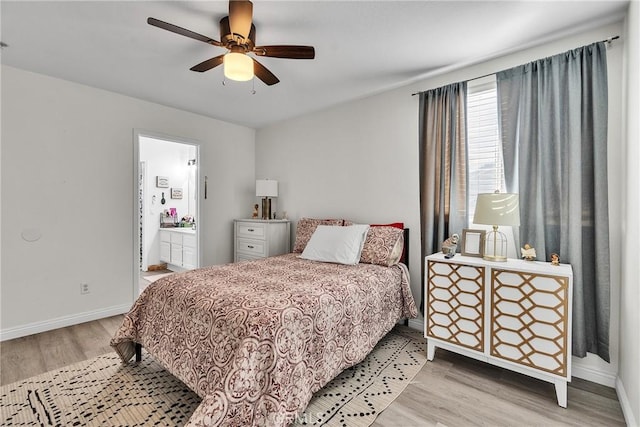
(238, 36)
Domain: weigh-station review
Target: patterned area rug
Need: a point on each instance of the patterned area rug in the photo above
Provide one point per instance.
(153, 277)
(104, 392)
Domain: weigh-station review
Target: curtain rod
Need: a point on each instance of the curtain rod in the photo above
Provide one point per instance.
(609, 40)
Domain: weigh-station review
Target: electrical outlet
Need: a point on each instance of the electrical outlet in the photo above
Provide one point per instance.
(84, 288)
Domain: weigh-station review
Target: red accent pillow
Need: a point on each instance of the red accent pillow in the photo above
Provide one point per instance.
(393, 224)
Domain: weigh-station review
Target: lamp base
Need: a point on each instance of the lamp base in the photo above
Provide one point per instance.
(497, 258)
(495, 246)
(266, 208)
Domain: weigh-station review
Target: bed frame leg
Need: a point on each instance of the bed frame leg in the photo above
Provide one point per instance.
(138, 352)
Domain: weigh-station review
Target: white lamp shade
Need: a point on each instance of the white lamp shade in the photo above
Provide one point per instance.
(238, 66)
(497, 209)
(266, 188)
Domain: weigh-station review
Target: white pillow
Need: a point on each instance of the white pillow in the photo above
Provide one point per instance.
(342, 245)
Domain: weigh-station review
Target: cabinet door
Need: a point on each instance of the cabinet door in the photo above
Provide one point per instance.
(529, 319)
(165, 251)
(176, 254)
(188, 257)
(455, 301)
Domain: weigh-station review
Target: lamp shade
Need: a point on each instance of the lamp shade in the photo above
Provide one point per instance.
(497, 209)
(266, 188)
(238, 66)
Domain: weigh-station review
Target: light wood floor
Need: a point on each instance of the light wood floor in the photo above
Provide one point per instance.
(450, 391)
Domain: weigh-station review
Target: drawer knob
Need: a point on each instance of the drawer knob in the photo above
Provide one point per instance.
(251, 230)
(250, 246)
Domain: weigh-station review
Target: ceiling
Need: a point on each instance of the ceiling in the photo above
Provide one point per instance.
(362, 47)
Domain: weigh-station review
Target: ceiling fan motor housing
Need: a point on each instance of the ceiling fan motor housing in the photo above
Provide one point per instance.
(229, 40)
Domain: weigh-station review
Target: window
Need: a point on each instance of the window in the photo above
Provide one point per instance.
(486, 168)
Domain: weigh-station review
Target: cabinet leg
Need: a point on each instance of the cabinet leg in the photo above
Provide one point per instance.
(431, 351)
(561, 393)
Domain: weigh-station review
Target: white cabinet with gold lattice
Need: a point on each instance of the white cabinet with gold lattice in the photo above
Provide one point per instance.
(514, 314)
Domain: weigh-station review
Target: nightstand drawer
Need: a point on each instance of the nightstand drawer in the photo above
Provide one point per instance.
(245, 257)
(251, 230)
(251, 247)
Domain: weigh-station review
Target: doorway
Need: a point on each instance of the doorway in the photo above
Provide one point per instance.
(166, 200)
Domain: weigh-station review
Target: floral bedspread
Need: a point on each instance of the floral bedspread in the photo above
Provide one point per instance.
(256, 339)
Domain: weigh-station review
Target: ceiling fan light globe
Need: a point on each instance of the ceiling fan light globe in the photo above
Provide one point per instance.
(238, 66)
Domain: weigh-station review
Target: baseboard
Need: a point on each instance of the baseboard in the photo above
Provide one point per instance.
(61, 322)
(592, 374)
(627, 411)
(417, 324)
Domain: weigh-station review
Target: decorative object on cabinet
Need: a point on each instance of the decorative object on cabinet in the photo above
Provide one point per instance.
(528, 253)
(516, 315)
(450, 245)
(472, 242)
(162, 182)
(555, 259)
(176, 193)
(254, 238)
(496, 209)
(255, 211)
(266, 188)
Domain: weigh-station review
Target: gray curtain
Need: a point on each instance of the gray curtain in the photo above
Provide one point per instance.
(443, 170)
(553, 115)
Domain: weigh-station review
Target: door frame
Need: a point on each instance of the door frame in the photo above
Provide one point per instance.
(137, 134)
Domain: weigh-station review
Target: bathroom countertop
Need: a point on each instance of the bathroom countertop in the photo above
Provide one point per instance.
(184, 230)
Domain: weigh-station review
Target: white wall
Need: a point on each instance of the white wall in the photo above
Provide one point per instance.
(68, 174)
(360, 161)
(628, 385)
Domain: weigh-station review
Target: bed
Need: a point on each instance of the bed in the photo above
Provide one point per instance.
(256, 339)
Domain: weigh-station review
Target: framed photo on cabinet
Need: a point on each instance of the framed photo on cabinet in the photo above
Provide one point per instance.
(472, 242)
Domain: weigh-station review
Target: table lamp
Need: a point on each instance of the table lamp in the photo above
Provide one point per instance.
(266, 188)
(496, 209)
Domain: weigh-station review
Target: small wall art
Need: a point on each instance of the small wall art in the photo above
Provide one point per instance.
(162, 181)
(176, 193)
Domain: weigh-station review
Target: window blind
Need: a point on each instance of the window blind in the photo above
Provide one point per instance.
(486, 170)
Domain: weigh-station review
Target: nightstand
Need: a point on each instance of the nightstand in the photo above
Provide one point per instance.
(256, 238)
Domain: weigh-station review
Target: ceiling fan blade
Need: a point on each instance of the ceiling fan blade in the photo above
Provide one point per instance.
(240, 16)
(208, 64)
(182, 31)
(263, 74)
(284, 51)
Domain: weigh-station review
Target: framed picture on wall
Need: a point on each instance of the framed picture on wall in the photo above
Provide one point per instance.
(176, 193)
(162, 181)
(472, 242)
